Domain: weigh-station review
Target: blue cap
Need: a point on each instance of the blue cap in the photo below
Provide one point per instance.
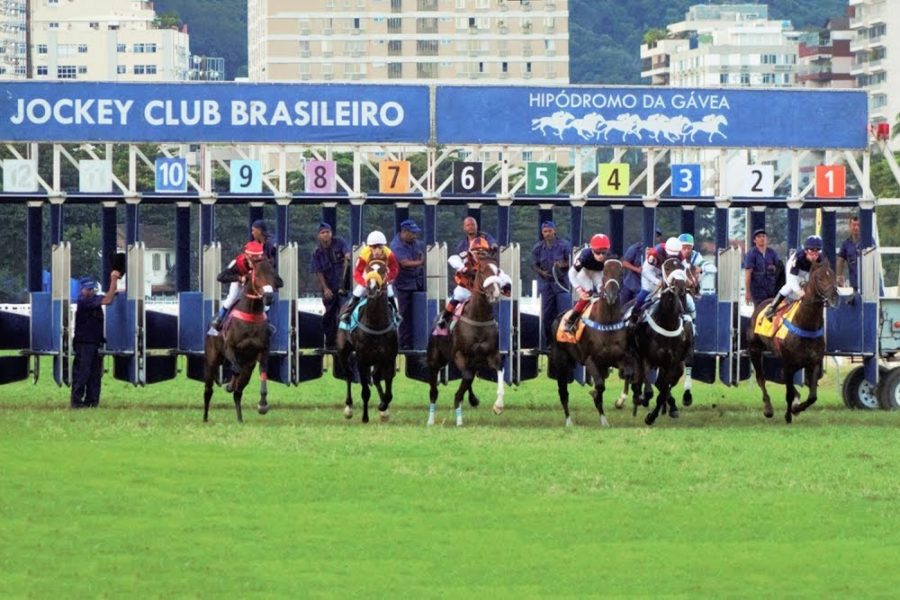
(756, 232)
(323, 225)
(261, 225)
(410, 225)
(87, 282)
(549, 224)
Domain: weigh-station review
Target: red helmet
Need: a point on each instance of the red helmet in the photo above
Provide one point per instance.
(599, 242)
(254, 250)
(479, 243)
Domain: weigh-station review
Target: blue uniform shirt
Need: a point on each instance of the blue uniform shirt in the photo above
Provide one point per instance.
(635, 255)
(89, 320)
(850, 252)
(545, 257)
(409, 278)
(463, 244)
(762, 273)
(330, 262)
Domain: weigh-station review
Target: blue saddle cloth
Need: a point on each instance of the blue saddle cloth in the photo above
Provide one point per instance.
(354, 317)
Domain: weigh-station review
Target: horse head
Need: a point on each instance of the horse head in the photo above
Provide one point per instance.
(375, 277)
(487, 279)
(612, 280)
(822, 284)
(263, 282)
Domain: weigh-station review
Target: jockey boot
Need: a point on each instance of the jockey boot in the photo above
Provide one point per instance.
(572, 321)
(219, 318)
(348, 309)
(770, 312)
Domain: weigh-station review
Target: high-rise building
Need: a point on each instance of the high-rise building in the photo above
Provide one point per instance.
(12, 39)
(876, 28)
(425, 40)
(113, 40)
(824, 57)
(727, 44)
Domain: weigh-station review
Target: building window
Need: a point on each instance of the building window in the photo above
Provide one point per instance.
(42, 48)
(66, 72)
(139, 69)
(121, 48)
(82, 48)
(395, 25)
(52, 2)
(138, 48)
(528, 67)
(504, 67)
(150, 48)
(481, 67)
(151, 69)
(768, 78)
(121, 69)
(20, 70)
(356, 23)
(723, 78)
(395, 70)
(42, 70)
(395, 48)
(52, 25)
(745, 78)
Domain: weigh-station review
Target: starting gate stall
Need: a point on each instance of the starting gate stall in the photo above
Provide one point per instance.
(282, 316)
(426, 308)
(51, 318)
(196, 308)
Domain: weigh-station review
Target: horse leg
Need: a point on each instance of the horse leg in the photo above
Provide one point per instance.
(756, 359)
(464, 386)
(364, 380)
(388, 395)
(599, 376)
(790, 392)
(660, 401)
(687, 398)
(501, 390)
(207, 390)
(432, 393)
(671, 380)
(263, 406)
(344, 358)
(811, 372)
(240, 383)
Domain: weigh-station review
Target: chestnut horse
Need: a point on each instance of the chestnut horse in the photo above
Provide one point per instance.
(244, 341)
(804, 345)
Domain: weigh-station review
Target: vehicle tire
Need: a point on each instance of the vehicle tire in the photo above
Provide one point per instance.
(889, 390)
(857, 392)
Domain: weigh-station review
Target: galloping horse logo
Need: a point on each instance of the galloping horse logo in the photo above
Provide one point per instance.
(673, 129)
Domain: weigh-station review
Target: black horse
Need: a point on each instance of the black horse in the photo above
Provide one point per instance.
(473, 344)
(663, 341)
(373, 345)
(603, 343)
(804, 345)
(244, 342)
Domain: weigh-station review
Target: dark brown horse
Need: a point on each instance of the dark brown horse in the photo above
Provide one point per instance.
(663, 341)
(473, 344)
(244, 341)
(804, 345)
(372, 345)
(603, 344)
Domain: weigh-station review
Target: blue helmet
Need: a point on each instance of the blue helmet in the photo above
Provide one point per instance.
(813, 242)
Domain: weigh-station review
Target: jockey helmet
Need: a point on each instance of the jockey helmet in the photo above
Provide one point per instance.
(686, 239)
(599, 242)
(254, 250)
(813, 242)
(376, 238)
(480, 244)
(673, 246)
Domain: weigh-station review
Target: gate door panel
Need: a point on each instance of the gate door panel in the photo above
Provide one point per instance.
(61, 321)
(283, 316)
(434, 298)
(196, 310)
(125, 322)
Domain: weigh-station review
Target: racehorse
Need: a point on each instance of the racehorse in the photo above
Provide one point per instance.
(603, 343)
(662, 341)
(804, 345)
(244, 340)
(473, 344)
(373, 344)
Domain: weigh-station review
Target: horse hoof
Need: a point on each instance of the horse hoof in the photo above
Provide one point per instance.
(649, 420)
(687, 399)
(603, 422)
(569, 422)
(787, 417)
(229, 388)
(474, 401)
(348, 412)
(384, 415)
(768, 413)
(796, 407)
(262, 408)
(673, 413)
(620, 403)
(498, 408)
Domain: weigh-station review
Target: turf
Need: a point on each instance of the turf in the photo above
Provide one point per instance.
(141, 499)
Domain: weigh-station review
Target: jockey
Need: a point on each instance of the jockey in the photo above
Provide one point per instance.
(797, 273)
(234, 274)
(586, 276)
(652, 276)
(376, 248)
(693, 260)
(466, 265)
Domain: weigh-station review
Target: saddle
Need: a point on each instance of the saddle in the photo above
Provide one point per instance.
(354, 317)
(775, 328)
(453, 320)
(564, 336)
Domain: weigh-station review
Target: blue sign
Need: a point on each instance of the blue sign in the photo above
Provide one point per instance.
(652, 116)
(213, 112)
(171, 175)
(686, 181)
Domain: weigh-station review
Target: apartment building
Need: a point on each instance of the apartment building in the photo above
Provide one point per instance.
(12, 39)
(426, 40)
(727, 44)
(112, 40)
(824, 57)
(875, 46)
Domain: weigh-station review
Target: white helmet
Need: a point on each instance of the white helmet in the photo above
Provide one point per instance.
(376, 237)
(673, 245)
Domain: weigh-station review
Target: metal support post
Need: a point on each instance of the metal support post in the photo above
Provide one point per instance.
(34, 248)
(108, 238)
(829, 234)
(183, 248)
(617, 229)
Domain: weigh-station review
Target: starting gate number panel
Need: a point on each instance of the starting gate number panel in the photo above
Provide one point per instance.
(686, 181)
(759, 181)
(540, 178)
(394, 176)
(19, 176)
(615, 179)
(171, 175)
(95, 176)
(246, 177)
(321, 177)
(831, 181)
(468, 177)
